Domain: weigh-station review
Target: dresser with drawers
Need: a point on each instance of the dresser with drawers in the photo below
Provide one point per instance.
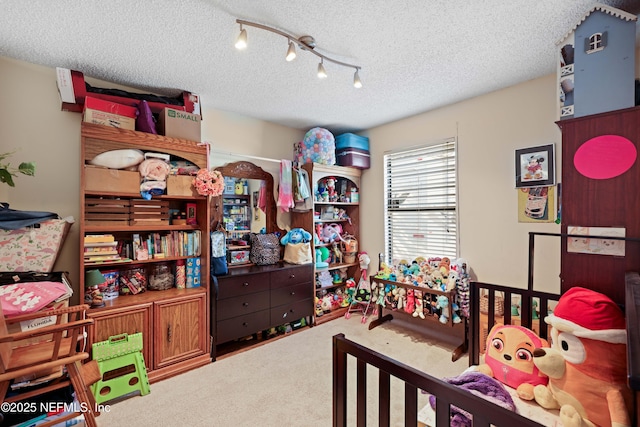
(255, 298)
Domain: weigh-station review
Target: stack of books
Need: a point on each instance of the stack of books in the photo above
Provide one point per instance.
(100, 248)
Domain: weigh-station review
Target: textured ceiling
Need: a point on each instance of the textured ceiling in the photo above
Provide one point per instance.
(415, 55)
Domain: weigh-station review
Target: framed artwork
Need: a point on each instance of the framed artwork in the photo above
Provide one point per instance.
(536, 204)
(591, 245)
(535, 166)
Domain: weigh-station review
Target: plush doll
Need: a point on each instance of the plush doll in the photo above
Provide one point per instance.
(410, 306)
(331, 233)
(587, 361)
(402, 298)
(444, 266)
(418, 312)
(296, 235)
(442, 303)
(331, 189)
(509, 358)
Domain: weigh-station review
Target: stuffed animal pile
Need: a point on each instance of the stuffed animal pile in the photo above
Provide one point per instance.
(441, 274)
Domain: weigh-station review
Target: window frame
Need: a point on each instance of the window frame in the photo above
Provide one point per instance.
(439, 203)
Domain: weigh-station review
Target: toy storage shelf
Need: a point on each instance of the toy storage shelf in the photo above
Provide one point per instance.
(348, 179)
(183, 312)
(431, 320)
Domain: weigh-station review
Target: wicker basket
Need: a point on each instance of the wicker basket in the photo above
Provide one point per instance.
(498, 305)
(349, 244)
(350, 257)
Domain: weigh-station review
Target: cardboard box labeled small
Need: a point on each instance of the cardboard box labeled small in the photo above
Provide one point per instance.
(179, 124)
(99, 111)
(111, 180)
(180, 185)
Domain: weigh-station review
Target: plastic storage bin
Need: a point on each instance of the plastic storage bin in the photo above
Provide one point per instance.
(353, 157)
(350, 140)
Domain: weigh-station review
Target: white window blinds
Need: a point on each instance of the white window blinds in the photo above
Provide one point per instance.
(421, 202)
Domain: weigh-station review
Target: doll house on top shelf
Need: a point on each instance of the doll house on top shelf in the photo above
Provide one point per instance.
(596, 70)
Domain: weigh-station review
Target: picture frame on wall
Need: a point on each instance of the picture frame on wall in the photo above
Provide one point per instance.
(535, 166)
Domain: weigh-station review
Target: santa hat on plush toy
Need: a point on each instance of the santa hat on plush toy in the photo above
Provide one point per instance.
(589, 314)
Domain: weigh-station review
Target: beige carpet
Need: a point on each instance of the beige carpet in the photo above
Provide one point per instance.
(286, 382)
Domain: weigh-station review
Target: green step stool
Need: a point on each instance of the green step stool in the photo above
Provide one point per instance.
(122, 368)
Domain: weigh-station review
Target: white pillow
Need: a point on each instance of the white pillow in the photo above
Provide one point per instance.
(118, 159)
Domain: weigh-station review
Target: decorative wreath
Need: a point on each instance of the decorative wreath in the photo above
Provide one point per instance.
(208, 182)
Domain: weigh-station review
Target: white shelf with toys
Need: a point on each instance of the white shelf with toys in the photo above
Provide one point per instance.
(334, 221)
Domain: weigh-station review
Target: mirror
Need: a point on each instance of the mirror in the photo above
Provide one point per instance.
(239, 208)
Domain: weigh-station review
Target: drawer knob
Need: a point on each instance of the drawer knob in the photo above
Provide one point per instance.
(245, 304)
(292, 293)
(245, 324)
(245, 284)
(292, 276)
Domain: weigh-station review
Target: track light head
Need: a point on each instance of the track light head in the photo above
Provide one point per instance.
(322, 73)
(357, 83)
(241, 41)
(291, 52)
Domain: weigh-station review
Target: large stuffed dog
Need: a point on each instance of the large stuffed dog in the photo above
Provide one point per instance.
(586, 363)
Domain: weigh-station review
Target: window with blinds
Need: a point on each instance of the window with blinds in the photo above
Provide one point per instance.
(421, 202)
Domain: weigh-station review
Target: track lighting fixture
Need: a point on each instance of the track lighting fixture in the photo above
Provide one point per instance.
(357, 83)
(306, 43)
(322, 73)
(241, 41)
(291, 52)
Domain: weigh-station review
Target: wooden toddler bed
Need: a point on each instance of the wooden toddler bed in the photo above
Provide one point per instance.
(484, 413)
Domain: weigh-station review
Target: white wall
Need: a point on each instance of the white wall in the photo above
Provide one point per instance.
(489, 129)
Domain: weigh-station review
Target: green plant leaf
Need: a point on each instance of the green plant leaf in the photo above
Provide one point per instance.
(27, 168)
(6, 177)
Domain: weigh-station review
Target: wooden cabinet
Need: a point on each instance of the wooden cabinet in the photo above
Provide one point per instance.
(179, 332)
(252, 299)
(174, 321)
(610, 202)
(341, 210)
(125, 320)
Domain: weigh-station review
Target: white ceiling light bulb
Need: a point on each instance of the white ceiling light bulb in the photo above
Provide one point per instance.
(322, 73)
(291, 52)
(357, 83)
(241, 41)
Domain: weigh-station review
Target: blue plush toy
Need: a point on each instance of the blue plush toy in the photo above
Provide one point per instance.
(443, 305)
(296, 235)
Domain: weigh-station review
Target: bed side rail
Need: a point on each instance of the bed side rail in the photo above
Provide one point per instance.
(484, 413)
(528, 300)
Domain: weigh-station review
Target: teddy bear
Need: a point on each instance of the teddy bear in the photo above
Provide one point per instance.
(509, 358)
(418, 312)
(587, 361)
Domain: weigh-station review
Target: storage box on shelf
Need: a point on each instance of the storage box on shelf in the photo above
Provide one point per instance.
(352, 150)
(109, 113)
(174, 322)
(341, 209)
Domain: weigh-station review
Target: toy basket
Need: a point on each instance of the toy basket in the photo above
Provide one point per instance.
(498, 305)
(350, 257)
(349, 244)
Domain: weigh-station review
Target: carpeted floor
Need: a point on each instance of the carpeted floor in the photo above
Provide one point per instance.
(286, 382)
